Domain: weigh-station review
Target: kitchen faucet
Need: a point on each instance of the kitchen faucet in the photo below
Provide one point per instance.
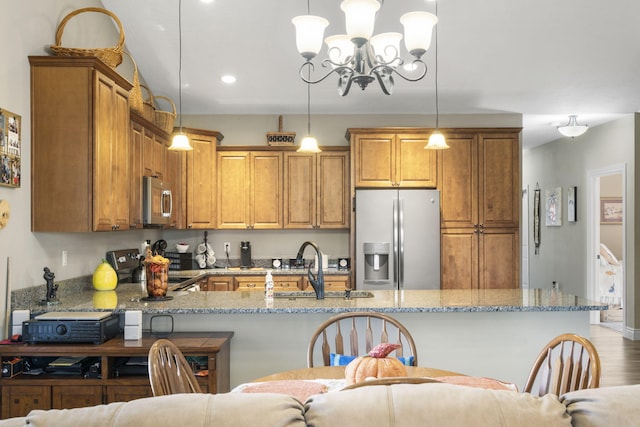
(316, 281)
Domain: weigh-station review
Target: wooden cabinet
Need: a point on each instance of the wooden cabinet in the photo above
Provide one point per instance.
(331, 283)
(249, 189)
(217, 283)
(80, 145)
(392, 157)
(316, 189)
(283, 283)
(23, 393)
(174, 166)
(149, 157)
(479, 179)
(200, 179)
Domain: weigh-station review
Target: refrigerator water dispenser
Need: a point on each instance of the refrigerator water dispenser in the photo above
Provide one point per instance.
(376, 261)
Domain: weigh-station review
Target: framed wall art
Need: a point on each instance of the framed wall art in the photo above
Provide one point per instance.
(611, 210)
(572, 204)
(553, 204)
(10, 146)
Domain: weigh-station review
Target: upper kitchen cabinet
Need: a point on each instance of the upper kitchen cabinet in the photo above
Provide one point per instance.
(79, 145)
(479, 179)
(392, 157)
(249, 189)
(199, 199)
(316, 189)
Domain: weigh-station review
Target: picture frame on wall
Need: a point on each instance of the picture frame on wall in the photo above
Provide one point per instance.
(572, 204)
(10, 148)
(611, 210)
(553, 205)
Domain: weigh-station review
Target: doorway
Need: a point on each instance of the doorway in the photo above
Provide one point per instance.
(606, 237)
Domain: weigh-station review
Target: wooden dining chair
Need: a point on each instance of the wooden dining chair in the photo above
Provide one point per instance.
(359, 329)
(567, 363)
(169, 371)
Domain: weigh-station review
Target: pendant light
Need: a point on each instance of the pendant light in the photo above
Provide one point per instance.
(180, 141)
(437, 140)
(309, 144)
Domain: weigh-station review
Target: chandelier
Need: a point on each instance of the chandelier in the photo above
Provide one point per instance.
(359, 56)
(573, 129)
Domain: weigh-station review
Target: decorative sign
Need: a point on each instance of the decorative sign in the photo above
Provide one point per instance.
(10, 148)
(553, 202)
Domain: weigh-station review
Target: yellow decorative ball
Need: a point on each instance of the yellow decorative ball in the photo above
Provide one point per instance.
(105, 299)
(105, 277)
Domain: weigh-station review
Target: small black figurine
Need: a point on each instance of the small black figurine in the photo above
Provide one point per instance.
(51, 287)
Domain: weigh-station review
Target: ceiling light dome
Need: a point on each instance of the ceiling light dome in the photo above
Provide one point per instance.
(573, 129)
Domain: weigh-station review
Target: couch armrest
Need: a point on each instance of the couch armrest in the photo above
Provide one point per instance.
(605, 406)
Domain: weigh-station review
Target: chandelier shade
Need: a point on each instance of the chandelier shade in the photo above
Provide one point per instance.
(360, 56)
(573, 129)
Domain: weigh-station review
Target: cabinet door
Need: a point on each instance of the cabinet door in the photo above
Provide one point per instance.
(135, 162)
(459, 259)
(125, 393)
(299, 190)
(18, 401)
(499, 157)
(111, 157)
(234, 175)
(375, 158)
(219, 283)
(415, 167)
(68, 396)
(266, 190)
(153, 155)
(287, 283)
(499, 259)
(173, 172)
(249, 283)
(201, 183)
(333, 189)
(458, 182)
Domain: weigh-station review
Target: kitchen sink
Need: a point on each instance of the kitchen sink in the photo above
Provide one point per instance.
(329, 294)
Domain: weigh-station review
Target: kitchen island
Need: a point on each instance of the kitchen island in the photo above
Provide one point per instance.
(493, 333)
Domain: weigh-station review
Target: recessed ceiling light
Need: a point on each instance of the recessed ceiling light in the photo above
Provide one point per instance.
(228, 79)
(206, 1)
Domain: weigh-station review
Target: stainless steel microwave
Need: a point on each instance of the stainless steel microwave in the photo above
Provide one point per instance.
(156, 201)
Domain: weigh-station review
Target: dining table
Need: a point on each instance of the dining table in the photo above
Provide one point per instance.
(303, 382)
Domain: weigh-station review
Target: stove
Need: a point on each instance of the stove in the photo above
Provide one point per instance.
(124, 262)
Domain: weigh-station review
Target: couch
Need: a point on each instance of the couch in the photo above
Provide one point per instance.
(399, 405)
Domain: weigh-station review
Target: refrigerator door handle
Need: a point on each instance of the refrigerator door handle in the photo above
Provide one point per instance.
(401, 244)
(395, 241)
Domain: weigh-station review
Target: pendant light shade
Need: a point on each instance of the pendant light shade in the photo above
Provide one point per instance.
(309, 145)
(573, 129)
(436, 141)
(180, 140)
(309, 34)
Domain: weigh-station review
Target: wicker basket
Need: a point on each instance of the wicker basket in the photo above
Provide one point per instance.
(165, 119)
(136, 102)
(149, 108)
(280, 137)
(111, 56)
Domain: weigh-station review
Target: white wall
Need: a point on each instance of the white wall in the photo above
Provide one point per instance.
(566, 162)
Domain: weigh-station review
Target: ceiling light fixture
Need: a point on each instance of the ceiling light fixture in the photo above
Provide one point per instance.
(358, 56)
(437, 140)
(309, 144)
(573, 129)
(180, 141)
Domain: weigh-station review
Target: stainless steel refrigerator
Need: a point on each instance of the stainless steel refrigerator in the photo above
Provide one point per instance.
(397, 239)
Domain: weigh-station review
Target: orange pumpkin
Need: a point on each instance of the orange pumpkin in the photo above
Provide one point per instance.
(375, 365)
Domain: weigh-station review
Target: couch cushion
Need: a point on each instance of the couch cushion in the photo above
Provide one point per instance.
(433, 404)
(605, 406)
(193, 410)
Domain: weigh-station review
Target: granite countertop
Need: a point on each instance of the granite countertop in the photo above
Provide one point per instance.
(254, 271)
(80, 296)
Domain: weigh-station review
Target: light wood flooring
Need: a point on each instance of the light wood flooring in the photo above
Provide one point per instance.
(620, 357)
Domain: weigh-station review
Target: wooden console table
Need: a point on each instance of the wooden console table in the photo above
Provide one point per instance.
(22, 393)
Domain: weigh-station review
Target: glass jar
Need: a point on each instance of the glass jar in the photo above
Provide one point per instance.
(157, 279)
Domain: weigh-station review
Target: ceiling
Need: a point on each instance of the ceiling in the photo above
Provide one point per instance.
(544, 59)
